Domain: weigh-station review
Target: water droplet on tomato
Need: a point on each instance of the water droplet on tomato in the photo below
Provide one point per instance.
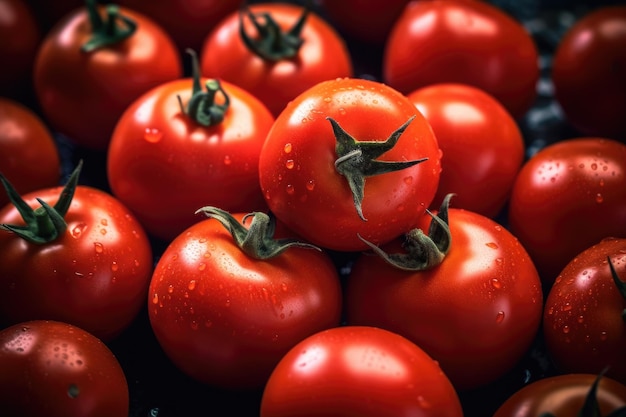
(227, 160)
(114, 266)
(193, 325)
(327, 99)
(290, 189)
(155, 298)
(565, 329)
(496, 284)
(267, 195)
(152, 135)
(500, 317)
(73, 391)
(289, 164)
(603, 336)
(599, 198)
(408, 180)
(594, 166)
(202, 266)
(581, 319)
(566, 307)
(192, 285)
(310, 185)
(98, 247)
(492, 245)
(78, 230)
(170, 289)
(287, 148)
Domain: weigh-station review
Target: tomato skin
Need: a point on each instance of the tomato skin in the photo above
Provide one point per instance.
(226, 319)
(28, 154)
(94, 276)
(463, 41)
(305, 191)
(192, 165)
(358, 370)
(83, 94)
(562, 396)
(483, 148)
(582, 322)
(567, 197)
(588, 73)
(476, 313)
(323, 56)
(58, 370)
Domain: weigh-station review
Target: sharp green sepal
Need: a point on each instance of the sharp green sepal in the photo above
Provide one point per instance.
(257, 241)
(107, 31)
(621, 285)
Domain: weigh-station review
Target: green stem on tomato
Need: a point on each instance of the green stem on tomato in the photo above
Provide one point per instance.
(107, 31)
(621, 285)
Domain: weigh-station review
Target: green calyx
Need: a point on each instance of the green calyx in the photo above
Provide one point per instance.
(46, 223)
(621, 285)
(422, 251)
(257, 241)
(271, 43)
(356, 159)
(203, 107)
(111, 29)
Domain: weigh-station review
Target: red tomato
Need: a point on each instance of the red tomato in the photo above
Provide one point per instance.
(463, 41)
(588, 73)
(567, 197)
(28, 153)
(358, 371)
(564, 396)
(83, 93)
(226, 318)
(185, 165)
(483, 148)
(306, 164)
(54, 369)
(94, 274)
(20, 34)
(583, 321)
(476, 313)
(368, 21)
(292, 68)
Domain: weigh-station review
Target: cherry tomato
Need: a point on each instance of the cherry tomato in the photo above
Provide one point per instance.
(463, 41)
(354, 370)
(225, 315)
(91, 270)
(567, 197)
(564, 396)
(319, 172)
(588, 73)
(28, 153)
(189, 159)
(82, 92)
(477, 312)
(310, 51)
(54, 369)
(584, 324)
(483, 148)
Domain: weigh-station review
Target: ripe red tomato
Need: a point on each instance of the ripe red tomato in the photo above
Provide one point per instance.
(278, 74)
(588, 73)
(358, 371)
(564, 396)
(476, 313)
(226, 318)
(28, 153)
(20, 34)
(185, 165)
(463, 41)
(483, 148)
(310, 169)
(83, 93)
(92, 273)
(54, 369)
(567, 197)
(583, 320)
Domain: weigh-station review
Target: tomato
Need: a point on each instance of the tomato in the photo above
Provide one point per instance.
(20, 34)
(463, 41)
(583, 322)
(92, 269)
(358, 371)
(55, 369)
(588, 73)
(187, 157)
(310, 51)
(368, 21)
(28, 153)
(83, 92)
(318, 170)
(564, 396)
(567, 197)
(483, 148)
(476, 311)
(223, 313)
(188, 22)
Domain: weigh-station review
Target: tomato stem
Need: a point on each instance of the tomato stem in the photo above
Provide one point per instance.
(107, 31)
(272, 44)
(46, 223)
(621, 285)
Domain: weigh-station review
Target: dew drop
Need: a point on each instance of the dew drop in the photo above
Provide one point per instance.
(78, 230)
(500, 317)
(152, 135)
(581, 319)
(498, 228)
(599, 198)
(290, 189)
(192, 285)
(227, 160)
(73, 391)
(155, 298)
(566, 307)
(492, 245)
(327, 99)
(104, 222)
(193, 325)
(495, 283)
(603, 336)
(287, 148)
(310, 185)
(566, 329)
(98, 247)
(267, 195)
(114, 266)
(202, 266)
(408, 180)
(289, 164)
(170, 289)
(594, 166)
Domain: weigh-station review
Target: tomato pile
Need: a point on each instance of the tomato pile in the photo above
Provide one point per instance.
(356, 208)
